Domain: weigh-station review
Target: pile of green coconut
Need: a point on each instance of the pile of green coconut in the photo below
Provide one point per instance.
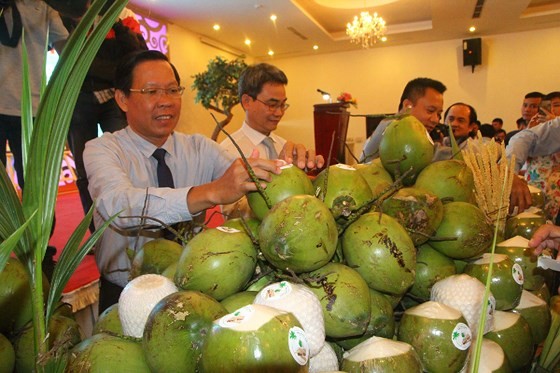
(378, 267)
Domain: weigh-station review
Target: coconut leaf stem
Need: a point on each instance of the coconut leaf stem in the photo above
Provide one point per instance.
(252, 175)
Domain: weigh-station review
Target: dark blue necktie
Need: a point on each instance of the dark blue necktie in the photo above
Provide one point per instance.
(165, 178)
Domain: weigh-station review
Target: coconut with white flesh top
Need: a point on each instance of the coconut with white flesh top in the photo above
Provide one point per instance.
(513, 334)
(256, 338)
(325, 361)
(518, 250)
(523, 224)
(537, 314)
(439, 334)
(492, 358)
(378, 354)
(507, 278)
(346, 191)
(465, 293)
(303, 304)
(137, 300)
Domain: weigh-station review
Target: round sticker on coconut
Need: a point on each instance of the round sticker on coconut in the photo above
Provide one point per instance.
(517, 273)
(461, 336)
(297, 343)
(228, 229)
(237, 318)
(345, 167)
(276, 291)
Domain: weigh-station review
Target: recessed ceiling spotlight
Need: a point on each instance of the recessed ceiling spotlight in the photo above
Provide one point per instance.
(384, 39)
(271, 52)
(247, 41)
(472, 29)
(273, 17)
(315, 47)
(216, 27)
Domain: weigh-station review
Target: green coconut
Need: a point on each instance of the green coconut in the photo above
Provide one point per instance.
(155, 256)
(298, 234)
(345, 299)
(378, 179)
(378, 354)
(15, 297)
(170, 271)
(218, 262)
(238, 300)
(513, 334)
(7, 355)
(406, 145)
(518, 250)
(107, 353)
(451, 180)
(292, 181)
(492, 358)
(379, 248)
(431, 267)
(523, 224)
(346, 190)
(419, 211)
(439, 334)
(181, 319)
(256, 338)
(63, 333)
(507, 279)
(463, 233)
(109, 322)
(535, 311)
(242, 224)
(381, 322)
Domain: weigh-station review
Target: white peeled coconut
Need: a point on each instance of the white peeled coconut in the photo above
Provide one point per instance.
(536, 312)
(378, 354)
(303, 304)
(324, 361)
(465, 293)
(137, 300)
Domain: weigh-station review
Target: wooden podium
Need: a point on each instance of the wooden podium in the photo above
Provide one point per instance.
(331, 119)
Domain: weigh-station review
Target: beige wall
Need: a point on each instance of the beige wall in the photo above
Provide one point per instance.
(513, 64)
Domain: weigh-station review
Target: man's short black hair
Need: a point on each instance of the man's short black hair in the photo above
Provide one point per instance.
(254, 77)
(552, 95)
(534, 95)
(499, 120)
(126, 66)
(472, 113)
(416, 89)
(487, 130)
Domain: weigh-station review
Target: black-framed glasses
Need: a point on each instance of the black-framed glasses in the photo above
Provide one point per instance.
(157, 92)
(275, 106)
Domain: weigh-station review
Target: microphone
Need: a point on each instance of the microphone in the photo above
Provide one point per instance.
(326, 95)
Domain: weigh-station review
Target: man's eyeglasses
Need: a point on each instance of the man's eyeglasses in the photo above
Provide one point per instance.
(157, 92)
(275, 106)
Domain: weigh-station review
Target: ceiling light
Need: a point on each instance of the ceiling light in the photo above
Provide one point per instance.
(383, 39)
(247, 41)
(315, 47)
(472, 29)
(366, 30)
(273, 17)
(216, 27)
(271, 52)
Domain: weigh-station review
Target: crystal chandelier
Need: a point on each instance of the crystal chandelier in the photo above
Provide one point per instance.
(366, 30)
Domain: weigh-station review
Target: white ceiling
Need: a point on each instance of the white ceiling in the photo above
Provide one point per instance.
(304, 23)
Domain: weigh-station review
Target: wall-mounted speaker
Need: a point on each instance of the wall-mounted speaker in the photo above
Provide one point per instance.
(472, 52)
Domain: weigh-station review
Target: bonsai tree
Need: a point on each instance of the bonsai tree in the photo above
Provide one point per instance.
(217, 88)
